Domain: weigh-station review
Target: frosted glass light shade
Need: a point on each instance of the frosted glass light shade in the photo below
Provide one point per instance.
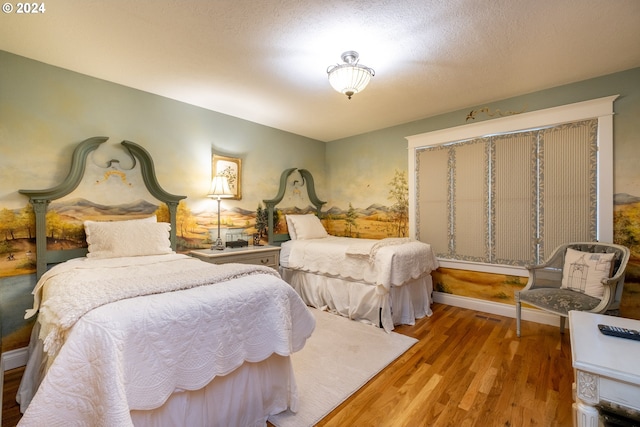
(349, 78)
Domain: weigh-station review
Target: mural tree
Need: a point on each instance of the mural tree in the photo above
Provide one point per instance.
(399, 192)
(8, 223)
(73, 233)
(54, 224)
(276, 220)
(27, 220)
(350, 221)
(162, 213)
(261, 220)
(183, 219)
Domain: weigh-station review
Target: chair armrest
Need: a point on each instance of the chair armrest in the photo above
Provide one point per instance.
(608, 296)
(536, 266)
(543, 277)
(619, 276)
(609, 282)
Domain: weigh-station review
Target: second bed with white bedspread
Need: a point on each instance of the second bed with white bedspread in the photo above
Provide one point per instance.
(384, 282)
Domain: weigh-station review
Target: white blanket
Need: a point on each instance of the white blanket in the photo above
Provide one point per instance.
(108, 280)
(395, 262)
(134, 352)
(368, 249)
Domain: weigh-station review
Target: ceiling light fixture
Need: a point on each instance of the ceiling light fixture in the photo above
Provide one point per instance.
(349, 78)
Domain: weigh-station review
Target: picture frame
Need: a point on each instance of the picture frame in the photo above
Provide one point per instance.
(231, 167)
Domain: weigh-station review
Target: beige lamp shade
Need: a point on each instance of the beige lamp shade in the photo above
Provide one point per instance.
(220, 187)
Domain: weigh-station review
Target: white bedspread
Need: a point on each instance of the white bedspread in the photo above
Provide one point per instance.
(395, 261)
(134, 352)
(108, 280)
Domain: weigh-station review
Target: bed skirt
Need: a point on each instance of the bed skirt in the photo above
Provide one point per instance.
(360, 301)
(244, 397)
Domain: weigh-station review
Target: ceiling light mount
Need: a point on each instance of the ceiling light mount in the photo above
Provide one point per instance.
(350, 77)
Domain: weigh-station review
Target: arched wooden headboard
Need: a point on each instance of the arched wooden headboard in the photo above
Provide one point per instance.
(277, 239)
(40, 199)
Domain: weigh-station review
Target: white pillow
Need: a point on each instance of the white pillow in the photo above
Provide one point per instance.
(127, 238)
(290, 227)
(584, 271)
(307, 227)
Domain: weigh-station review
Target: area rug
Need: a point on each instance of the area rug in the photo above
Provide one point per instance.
(338, 359)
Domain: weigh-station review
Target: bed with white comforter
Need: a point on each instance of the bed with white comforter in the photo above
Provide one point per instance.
(383, 282)
(150, 339)
(131, 333)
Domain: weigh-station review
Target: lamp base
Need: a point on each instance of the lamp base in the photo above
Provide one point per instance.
(218, 245)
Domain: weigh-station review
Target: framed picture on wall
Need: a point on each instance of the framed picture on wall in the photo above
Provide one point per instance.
(231, 168)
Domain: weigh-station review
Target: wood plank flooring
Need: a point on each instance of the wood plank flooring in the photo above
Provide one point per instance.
(468, 369)
(10, 409)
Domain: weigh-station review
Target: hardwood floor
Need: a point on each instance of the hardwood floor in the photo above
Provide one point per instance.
(10, 409)
(468, 369)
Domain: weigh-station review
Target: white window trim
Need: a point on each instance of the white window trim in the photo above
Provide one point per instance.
(601, 108)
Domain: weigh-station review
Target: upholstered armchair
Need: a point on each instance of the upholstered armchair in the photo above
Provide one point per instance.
(584, 276)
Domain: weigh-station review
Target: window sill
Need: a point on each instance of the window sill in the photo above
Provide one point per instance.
(508, 270)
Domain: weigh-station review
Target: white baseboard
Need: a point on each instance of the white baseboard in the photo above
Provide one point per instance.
(506, 310)
(15, 358)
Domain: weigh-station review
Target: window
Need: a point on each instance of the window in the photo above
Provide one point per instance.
(496, 195)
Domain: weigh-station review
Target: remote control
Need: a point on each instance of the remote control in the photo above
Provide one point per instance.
(615, 331)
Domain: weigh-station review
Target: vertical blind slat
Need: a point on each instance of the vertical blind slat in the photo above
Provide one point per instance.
(470, 194)
(514, 196)
(567, 196)
(432, 194)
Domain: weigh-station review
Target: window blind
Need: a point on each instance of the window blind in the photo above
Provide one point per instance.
(509, 198)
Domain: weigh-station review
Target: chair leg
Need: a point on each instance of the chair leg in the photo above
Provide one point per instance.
(518, 313)
(562, 322)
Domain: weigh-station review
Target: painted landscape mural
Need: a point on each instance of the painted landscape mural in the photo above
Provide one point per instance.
(626, 232)
(196, 230)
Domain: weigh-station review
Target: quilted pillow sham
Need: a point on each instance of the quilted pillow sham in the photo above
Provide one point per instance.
(290, 227)
(584, 271)
(127, 238)
(306, 227)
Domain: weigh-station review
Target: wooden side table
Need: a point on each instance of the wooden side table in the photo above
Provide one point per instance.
(259, 255)
(607, 372)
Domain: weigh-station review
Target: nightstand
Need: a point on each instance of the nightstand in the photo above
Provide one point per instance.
(259, 255)
(606, 371)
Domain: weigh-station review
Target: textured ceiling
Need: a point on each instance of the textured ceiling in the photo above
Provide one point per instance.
(266, 60)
